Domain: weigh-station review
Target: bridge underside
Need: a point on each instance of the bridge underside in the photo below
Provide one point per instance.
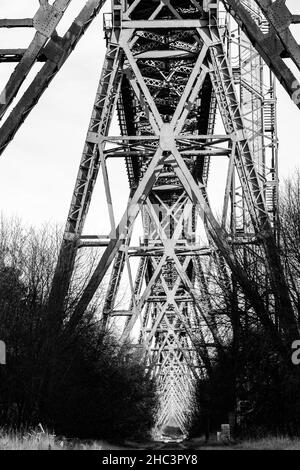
(196, 106)
(168, 75)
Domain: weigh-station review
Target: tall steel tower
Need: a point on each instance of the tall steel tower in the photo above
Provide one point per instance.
(196, 105)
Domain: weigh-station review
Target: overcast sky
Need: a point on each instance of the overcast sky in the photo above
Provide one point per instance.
(38, 169)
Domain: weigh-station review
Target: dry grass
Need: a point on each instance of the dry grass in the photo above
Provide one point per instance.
(267, 443)
(271, 443)
(29, 441)
(41, 440)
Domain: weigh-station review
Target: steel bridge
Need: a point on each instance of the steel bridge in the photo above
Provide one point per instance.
(175, 72)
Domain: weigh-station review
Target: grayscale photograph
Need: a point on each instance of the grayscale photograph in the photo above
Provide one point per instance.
(149, 228)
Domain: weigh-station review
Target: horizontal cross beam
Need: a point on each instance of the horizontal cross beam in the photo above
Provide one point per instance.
(16, 23)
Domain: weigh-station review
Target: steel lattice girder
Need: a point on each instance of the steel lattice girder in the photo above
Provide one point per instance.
(46, 46)
(165, 81)
(166, 172)
(275, 43)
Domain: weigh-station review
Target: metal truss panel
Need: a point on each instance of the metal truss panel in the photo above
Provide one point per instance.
(55, 51)
(273, 43)
(170, 68)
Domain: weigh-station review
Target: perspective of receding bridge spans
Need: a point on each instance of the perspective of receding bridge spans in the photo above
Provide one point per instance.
(190, 83)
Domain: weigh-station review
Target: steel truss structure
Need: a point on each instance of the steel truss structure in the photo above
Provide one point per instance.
(171, 68)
